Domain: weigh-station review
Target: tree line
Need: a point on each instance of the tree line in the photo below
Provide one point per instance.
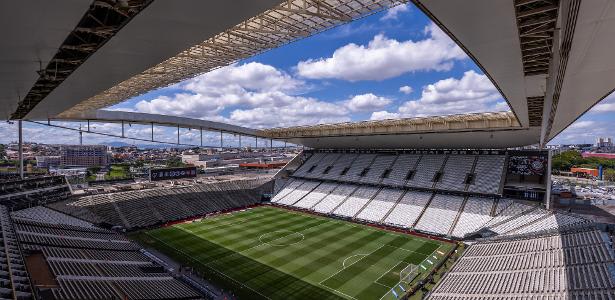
(564, 161)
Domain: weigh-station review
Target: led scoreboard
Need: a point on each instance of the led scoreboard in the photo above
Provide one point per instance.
(172, 173)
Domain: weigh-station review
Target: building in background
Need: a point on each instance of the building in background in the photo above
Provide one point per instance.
(46, 162)
(85, 156)
(604, 143)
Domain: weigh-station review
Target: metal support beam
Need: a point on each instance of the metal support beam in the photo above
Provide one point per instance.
(123, 129)
(88, 125)
(20, 128)
(201, 131)
(270, 144)
(152, 131)
(221, 142)
(178, 134)
(240, 142)
(256, 143)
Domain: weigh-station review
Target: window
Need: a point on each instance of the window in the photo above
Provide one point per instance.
(345, 171)
(386, 173)
(469, 178)
(437, 177)
(311, 169)
(364, 172)
(410, 174)
(327, 169)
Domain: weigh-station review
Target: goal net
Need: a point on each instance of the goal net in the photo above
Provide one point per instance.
(407, 274)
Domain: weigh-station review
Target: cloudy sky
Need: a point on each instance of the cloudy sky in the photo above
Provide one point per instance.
(392, 64)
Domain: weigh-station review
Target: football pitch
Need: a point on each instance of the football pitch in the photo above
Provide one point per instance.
(274, 253)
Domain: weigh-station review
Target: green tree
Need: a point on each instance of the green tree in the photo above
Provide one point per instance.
(174, 162)
(2, 151)
(565, 160)
(138, 163)
(608, 175)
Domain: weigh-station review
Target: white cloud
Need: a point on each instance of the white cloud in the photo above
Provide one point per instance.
(582, 125)
(471, 93)
(252, 76)
(607, 105)
(367, 102)
(206, 96)
(302, 111)
(583, 131)
(406, 89)
(252, 95)
(394, 12)
(385, 58)
(384, 115)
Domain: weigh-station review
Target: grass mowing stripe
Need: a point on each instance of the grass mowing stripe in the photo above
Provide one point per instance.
(253, 237)
(251, 218)
(243, 238)
(331, 252)
(300, 251)
(181, 256)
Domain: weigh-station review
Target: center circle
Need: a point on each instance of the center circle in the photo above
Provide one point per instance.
(280, 238)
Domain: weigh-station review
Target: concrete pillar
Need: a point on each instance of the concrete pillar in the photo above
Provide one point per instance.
(20, 126)
(548, 199)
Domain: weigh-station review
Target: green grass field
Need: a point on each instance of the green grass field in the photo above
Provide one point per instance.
(273, 253)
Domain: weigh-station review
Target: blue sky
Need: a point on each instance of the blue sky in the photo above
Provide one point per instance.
(392, 64)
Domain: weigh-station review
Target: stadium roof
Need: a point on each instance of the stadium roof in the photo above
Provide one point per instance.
(112, 116)
(552, 60)
(481, 130)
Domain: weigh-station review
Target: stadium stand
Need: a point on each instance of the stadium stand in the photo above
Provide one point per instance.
(445, 172)
(455, 172)
(323, 166)
(290, 186)
(16, 193)
(476, 212)
(359, 168)
(506, 209)
(92, 263)
(401, 168)
(574, 264)
(382, 203)
(15, 280)
(143, 208)
(409, 209)
(299, 192)
(316, 195)
(340, 167)
(451, 195)
(426, 171)
(335, 198)
(359, 198)
(309, 164)
(440, 214)
(46, 215)
(489, 174)
(554, 220)
(380, 164)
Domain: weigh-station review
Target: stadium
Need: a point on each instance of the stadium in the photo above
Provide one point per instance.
(439, 207)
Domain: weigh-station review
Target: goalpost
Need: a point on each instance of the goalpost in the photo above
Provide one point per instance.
(407, 274)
